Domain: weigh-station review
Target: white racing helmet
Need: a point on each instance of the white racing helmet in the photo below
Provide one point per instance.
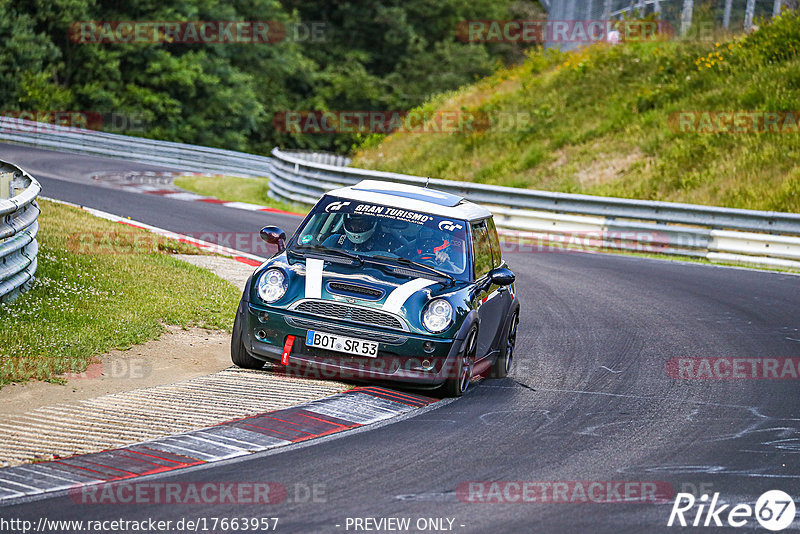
(359, 228)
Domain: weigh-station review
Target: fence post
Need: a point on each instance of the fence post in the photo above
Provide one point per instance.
(606, 9)
(657, 7)
(748, 15)
(686, 16)
(570, 10)
(726, 18)
(776, 8)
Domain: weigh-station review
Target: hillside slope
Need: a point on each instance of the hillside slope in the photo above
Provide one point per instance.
(607, 121)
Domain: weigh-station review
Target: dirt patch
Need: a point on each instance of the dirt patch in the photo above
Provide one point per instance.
(177, 355)
(608, 167)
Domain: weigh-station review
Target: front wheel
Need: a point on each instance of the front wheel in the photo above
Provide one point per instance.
(502, 365)
(458, 383)
(239, 355)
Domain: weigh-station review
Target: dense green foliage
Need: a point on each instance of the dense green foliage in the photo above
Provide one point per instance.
(604, 121)
(381, 55)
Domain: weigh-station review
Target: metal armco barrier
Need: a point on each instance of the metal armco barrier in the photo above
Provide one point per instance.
(18, 228)
(531, 218)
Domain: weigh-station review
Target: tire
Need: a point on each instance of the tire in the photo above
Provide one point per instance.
(462, 371)
(239, 355)
(502, 365)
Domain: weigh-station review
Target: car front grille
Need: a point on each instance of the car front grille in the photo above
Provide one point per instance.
(347, 312)
(380, 337)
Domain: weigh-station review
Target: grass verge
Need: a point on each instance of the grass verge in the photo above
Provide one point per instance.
(100, 286)
(235, 189)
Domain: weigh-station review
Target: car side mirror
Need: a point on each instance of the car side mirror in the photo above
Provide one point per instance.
(502, 276)
(274, 236)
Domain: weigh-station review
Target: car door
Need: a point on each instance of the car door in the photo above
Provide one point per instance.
(505, 296)
(489, 301)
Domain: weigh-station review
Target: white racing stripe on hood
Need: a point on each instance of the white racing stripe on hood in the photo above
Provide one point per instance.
(314, 278)
(398, 297)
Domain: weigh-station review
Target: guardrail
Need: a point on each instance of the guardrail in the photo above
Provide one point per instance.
(532, 217)
(177, 156)
(575, 221)
(18, 229)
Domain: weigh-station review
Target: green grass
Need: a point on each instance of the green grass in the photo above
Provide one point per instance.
(102, 286)
(598, 121)
(234, 189)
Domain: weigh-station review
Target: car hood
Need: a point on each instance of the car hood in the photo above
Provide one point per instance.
(403, 293)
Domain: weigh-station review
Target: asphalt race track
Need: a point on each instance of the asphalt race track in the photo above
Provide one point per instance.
(69, 177)
(589, 398)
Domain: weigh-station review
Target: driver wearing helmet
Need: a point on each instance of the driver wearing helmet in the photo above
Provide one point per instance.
(360, 234)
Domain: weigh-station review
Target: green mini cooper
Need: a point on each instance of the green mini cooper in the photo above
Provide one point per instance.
(383, 282)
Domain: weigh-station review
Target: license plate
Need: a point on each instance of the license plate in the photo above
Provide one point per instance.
(348, 345)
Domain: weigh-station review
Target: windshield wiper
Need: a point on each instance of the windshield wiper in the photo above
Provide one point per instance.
(327, 250)
(415, 264)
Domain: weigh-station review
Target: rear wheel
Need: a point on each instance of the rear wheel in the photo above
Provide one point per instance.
(502, 364)
(239, 354)
(458, 383)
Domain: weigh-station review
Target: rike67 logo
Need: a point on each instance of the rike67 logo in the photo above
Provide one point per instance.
(774, 510)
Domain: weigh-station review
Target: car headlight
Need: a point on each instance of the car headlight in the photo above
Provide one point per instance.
(437, 316)
(272, 285)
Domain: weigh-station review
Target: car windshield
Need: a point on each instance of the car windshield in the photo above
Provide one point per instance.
(371, 230)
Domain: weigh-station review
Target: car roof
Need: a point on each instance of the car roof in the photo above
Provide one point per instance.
(414, 198)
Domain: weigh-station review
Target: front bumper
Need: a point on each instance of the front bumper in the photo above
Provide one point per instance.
(401, 356)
